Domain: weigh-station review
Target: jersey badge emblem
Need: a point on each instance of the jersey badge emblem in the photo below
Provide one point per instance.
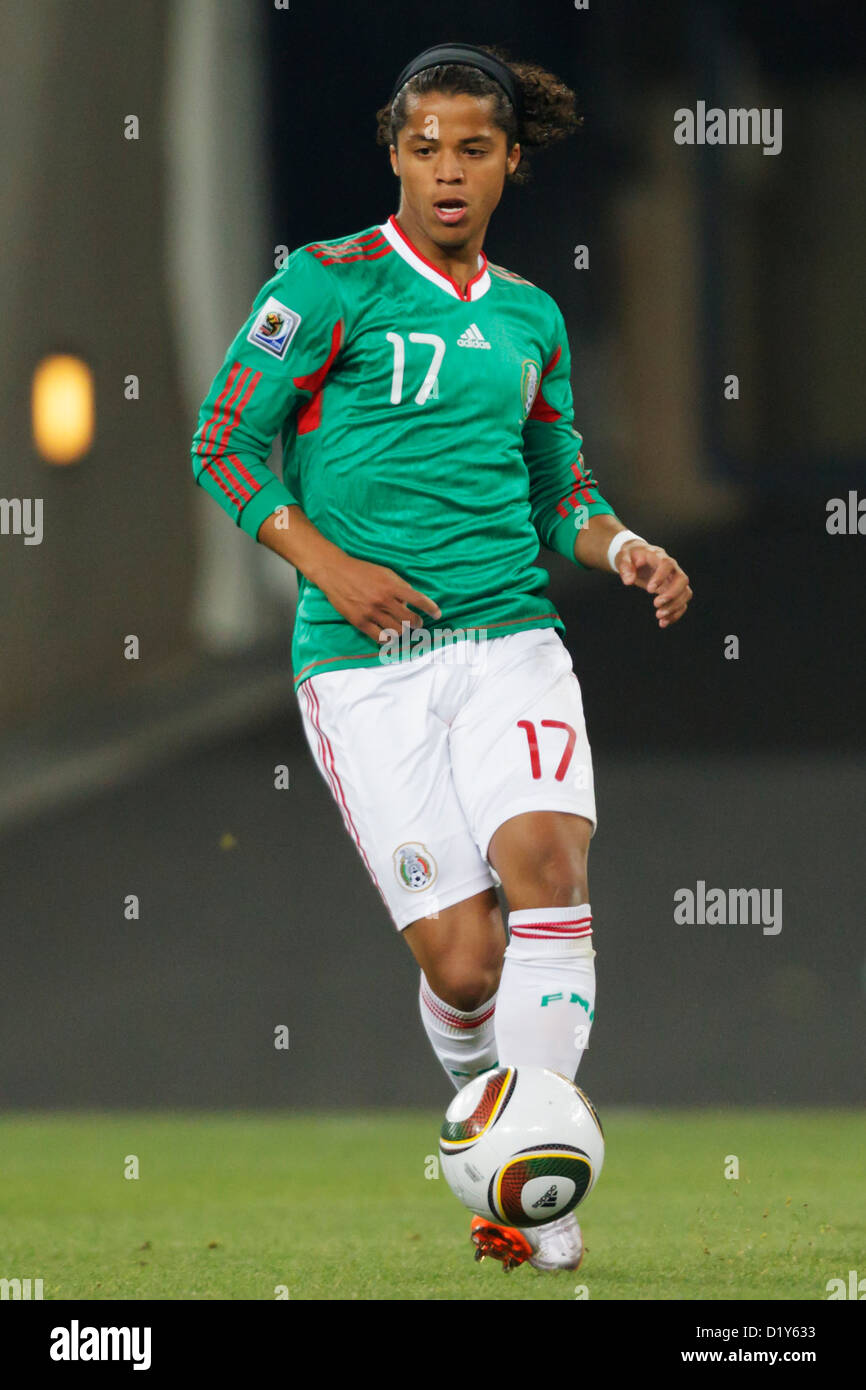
(529, 378)
(274, 328)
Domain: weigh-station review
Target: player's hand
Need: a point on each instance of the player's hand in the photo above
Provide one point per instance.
(651, 568)
(373, 597)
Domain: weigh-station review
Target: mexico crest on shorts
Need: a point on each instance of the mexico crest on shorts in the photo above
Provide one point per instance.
(275, 327)
(414, 866)
(529, 376)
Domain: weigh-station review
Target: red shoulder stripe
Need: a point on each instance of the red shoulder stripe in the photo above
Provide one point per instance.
(346, 260)
(363, 248)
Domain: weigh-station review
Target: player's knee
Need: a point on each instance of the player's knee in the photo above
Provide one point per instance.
(557, 879)
(466, 984)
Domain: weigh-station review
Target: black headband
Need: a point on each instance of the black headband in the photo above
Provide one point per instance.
(470, 56)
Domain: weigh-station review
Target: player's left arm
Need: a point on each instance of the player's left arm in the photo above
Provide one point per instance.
(567, 508)
(637, 563)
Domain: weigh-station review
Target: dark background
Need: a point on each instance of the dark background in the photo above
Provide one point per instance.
(119, 777)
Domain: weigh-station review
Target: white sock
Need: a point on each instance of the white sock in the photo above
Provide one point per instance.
(465, 1043)
(546, 1000)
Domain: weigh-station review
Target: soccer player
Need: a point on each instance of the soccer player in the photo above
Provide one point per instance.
(424, 401)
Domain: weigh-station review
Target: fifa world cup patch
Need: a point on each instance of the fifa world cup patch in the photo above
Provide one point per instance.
(414, 866)
(274, 328)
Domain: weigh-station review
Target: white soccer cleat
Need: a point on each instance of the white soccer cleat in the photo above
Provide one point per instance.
(558, 1245)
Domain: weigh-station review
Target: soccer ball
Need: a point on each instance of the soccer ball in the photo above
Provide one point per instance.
(521, 1146)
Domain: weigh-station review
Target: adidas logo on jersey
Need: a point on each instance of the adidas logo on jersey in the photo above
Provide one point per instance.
(473, 337)
(549, 1198)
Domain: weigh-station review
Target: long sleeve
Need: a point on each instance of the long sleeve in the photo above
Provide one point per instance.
(559, 480)
(275, 364)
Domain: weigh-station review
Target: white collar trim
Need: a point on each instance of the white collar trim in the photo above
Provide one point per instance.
(403, 246)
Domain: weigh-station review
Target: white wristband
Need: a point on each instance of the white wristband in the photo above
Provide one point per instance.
(617, 544)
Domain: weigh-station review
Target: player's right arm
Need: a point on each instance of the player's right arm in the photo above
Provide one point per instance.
(278, 359)
(292, 336)
(371, 597)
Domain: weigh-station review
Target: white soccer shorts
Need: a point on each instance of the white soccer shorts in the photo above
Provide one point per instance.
(428, 756)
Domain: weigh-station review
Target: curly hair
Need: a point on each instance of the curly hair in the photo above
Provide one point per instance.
(548, 104)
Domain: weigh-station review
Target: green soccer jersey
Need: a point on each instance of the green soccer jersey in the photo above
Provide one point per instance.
(424, 427)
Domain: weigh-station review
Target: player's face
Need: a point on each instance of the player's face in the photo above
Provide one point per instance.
(452, 161)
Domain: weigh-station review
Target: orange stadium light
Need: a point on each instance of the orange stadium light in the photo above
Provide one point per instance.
(63, 408)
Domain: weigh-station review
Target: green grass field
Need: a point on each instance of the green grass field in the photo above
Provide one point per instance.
(231, 1206)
